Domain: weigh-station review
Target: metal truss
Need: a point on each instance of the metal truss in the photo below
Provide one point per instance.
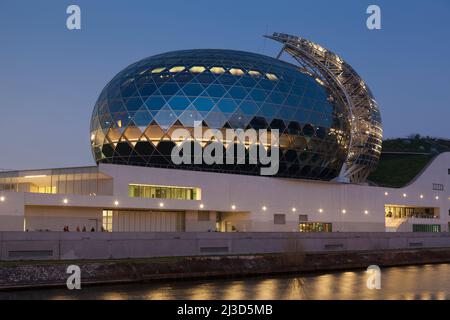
(364, 147)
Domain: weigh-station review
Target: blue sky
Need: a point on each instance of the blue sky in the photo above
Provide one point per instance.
(50, 77)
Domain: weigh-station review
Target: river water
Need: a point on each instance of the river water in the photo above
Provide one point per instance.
(399, 283)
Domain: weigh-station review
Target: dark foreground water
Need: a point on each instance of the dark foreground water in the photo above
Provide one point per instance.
(414, 282)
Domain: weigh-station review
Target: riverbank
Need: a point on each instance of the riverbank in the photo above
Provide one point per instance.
(33, 274)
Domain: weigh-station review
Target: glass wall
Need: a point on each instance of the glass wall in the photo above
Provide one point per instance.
(315, 227)
(78, 181)
(107, 220)
(163, 192)
(398, 212)
(138, 110)
(426, 228)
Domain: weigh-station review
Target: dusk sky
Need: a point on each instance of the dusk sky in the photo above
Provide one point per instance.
(50, 77)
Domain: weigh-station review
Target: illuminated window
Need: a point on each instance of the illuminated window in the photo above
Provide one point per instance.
(401, 212)
(177, 69)
(197, 69)
(107, 220)
(45, 189)
(426, 228)
(217, 70)
(315, 227)
(271, 76)
(163, 192)
(158, 70)
(236, 72)
(254, 73)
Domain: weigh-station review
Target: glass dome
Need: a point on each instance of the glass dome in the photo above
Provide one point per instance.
(138, 109)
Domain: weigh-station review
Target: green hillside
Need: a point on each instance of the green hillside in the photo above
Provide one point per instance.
(403, 159)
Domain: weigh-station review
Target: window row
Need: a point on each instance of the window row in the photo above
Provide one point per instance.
(214, 70)
(163, 192)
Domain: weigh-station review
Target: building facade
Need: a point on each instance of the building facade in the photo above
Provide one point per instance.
(133, 198)
(330, 135)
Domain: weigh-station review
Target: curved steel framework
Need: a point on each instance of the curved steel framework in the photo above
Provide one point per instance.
(364, 147)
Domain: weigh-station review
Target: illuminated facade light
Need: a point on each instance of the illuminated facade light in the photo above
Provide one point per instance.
(158, 70)
(421, 196)
(320, 210)
(177, 69)
(201, 205)
(437, 197)
(65, 201)
(116, 203)
(405, 195)
(161, 204)
(2, 199)
(254, 73)
(271, 76)
(294, 209)
(386, 193)
(217, 70)
(366, 211)
(344, 211)
(233, 207)
(197, 69)
(320, 81)
(236, 72)
(264, 208)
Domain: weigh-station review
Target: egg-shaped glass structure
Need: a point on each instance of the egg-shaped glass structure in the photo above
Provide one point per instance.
(140, 107)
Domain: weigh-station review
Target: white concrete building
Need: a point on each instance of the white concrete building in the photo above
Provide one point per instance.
(329, 140)
(131, 198)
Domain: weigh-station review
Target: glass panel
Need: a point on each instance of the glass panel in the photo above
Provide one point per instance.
(163, 192)
(217, 70)
(177, 69)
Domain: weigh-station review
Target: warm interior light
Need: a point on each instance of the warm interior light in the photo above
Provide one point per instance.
(271, 76)
(197, 69)
(177, 69)
(437, 197)
(158, 70)
(217, 70)
(236, 72)
(319, 81)
(35, 176)
(254, 73)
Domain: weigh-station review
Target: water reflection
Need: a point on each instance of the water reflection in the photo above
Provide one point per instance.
(428, 282)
